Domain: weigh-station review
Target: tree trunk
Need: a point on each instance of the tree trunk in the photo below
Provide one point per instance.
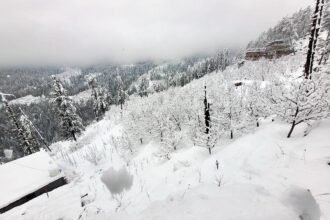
(231, 134)
(73, 135)
(293, 123)
(210, 151)
(291, 129)
(257, 123)
(308, 68)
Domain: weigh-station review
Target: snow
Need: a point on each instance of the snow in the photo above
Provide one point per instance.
(25, 175)
(26, 100)
(83, 96)
(263, 175)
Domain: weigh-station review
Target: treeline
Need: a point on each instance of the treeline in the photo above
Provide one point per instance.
(178, 74)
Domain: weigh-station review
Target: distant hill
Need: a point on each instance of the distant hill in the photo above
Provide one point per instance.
(290, 28)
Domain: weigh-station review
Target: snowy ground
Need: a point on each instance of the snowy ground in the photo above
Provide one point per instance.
(262, 175)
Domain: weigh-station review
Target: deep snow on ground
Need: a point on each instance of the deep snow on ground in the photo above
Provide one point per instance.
(262, 175)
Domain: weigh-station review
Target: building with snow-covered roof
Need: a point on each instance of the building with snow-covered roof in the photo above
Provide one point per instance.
(273, 50)
(26, 178)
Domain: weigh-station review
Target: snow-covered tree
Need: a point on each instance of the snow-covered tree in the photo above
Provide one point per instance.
(256, 103)
(99, 98)
(27, 131)
(299, 102)
(233, 110)
(24, 135)
(306, 99)
(314, 34)
(207, 131)
(121, 94)
(172, 137)
(26, 122)
(143, 86)
(69, 120)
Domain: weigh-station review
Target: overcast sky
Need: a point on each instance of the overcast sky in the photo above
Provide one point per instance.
(77, 32)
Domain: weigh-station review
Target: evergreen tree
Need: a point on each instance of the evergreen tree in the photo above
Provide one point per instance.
(24, 135)
(99, 98)
(207, 132)
(121, 94)
(31, 128)
(70, 122)
(27, 131)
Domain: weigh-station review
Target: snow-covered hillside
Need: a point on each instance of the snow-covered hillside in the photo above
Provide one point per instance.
(262, 175)
(148, 160)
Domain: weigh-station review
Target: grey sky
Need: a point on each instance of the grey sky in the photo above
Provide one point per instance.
(74, 32)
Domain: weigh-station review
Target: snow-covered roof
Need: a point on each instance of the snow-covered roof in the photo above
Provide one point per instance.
(23, 176)
(255, 50)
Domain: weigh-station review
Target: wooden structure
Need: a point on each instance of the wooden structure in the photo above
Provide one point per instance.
(255, 54)
(273, 50)
(278, 49)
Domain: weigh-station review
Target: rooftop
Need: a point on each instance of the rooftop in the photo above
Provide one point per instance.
(26, 175)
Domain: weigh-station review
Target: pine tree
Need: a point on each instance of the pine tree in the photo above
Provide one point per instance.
(27, 131)
(207, 131)
(121, 94)
(33, 129)
(24, 136)
(70, 122)
(99, 98)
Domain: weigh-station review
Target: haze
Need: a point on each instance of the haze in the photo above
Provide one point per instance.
(81, 32)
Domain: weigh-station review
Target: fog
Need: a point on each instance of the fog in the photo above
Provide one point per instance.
(81, 32)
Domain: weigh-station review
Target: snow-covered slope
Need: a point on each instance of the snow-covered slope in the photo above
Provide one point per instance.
(261, 173)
